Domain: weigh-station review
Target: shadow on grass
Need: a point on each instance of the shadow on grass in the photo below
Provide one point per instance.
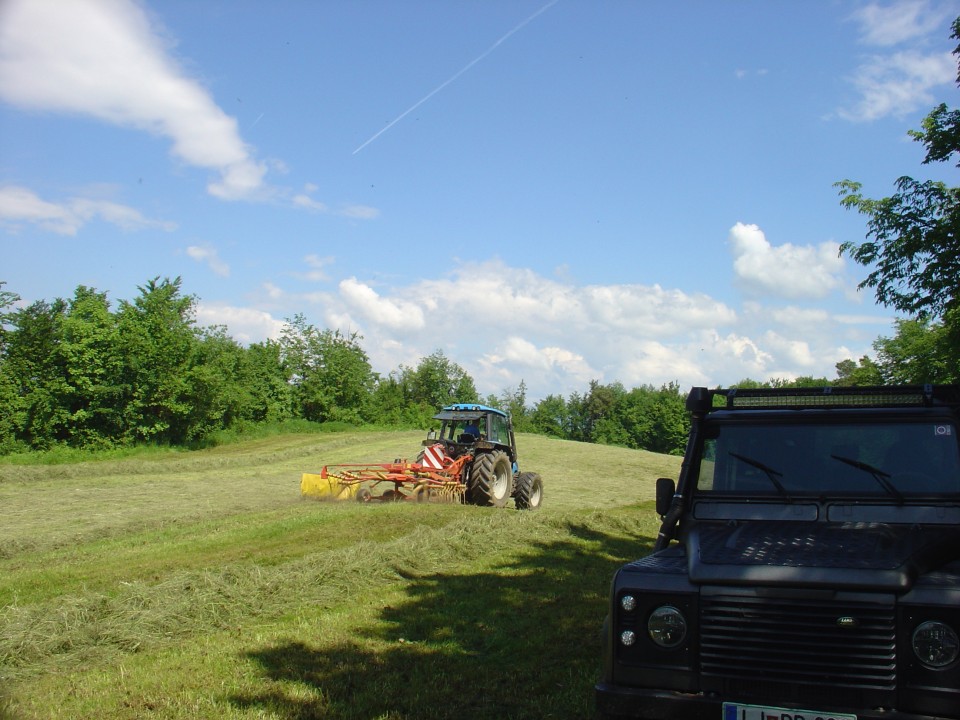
(522, 642)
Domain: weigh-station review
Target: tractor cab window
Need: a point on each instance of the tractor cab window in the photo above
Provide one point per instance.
(498, 430)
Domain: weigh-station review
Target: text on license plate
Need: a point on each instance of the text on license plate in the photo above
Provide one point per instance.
(737, 711)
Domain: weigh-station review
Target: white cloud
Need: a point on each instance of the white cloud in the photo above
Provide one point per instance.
(360, 212)
(273, 292)
(898, 22)
(209, 255)
(19, 205)
(307, 202)
(795, 352)
(103, 58)
(354, 211)
(787, 271)
(245, 325)
(505, 325)
(383, 312)
(317, 265)
(898, 84)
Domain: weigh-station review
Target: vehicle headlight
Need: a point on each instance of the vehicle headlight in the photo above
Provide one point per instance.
(628, 603)
(628, 638)
(667, 626)
(936, 644)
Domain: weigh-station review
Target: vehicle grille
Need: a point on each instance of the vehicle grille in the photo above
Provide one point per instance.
(767, 647)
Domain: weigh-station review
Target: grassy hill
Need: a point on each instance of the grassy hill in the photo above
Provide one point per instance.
(186, 585)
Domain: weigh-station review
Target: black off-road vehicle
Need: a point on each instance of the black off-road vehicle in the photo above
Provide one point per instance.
(807, 567)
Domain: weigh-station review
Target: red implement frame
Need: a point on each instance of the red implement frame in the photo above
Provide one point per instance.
(410, 481)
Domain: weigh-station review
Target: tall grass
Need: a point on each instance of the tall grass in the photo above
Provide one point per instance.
(203, 586)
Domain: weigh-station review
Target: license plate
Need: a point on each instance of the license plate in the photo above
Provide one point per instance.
(738, 711)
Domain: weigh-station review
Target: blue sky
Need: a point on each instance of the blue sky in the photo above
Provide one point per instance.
(555, 192)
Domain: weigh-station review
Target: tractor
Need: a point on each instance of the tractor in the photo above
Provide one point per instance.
(471, 459)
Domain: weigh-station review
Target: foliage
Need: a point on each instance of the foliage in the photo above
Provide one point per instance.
(915, 248)
(329, 372)
(865, 372)
(913, 252)
(409, 397)
(437, 381)
(916, 251)
(645, 418)
(157, 340)
(922, 351)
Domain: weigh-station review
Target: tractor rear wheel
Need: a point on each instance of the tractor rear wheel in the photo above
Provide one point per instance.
(528, 493)
(491, 479)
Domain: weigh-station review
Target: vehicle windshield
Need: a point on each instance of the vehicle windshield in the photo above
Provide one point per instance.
(895, 460)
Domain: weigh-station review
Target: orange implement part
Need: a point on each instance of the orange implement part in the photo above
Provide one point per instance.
(409, 480)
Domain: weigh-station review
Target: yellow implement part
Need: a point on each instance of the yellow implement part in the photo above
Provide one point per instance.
(327, 488)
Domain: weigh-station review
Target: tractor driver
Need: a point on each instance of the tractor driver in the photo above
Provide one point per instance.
(471, 428)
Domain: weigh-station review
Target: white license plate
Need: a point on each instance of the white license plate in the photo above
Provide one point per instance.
(738, 711)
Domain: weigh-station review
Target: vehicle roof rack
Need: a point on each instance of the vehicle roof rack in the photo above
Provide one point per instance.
(704, 400)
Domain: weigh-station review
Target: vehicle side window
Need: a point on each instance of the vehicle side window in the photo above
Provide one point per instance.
(498, 429)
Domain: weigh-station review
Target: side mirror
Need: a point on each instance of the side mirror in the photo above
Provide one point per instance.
(666, 489)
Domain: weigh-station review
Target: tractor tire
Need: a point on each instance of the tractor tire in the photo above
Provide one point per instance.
(491, 479)
(528, 491)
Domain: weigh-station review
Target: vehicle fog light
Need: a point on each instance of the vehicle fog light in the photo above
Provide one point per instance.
(628, 638)
(667, 626)
(936, 644)
(628, 603)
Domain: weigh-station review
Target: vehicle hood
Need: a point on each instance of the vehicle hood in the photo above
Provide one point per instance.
(820, 554)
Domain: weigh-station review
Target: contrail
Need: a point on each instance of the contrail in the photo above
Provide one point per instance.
(457, 74)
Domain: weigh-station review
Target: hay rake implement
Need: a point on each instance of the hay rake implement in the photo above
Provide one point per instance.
(435, 478)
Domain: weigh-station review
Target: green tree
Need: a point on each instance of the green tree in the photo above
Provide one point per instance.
(437, 381)
(329, 372)
(92, 367)
(646, 418)
(391, 405)
(8, 389)
(217, 384)
(35, 375)
(670, 422)
(7, 300)
(599, 404)
(158, 342)
(264, 376)
(913, 236)
(550, 416)
(863, 373)
(514, 401)
(921, 351)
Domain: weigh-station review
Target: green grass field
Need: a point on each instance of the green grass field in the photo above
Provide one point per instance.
(200, 585)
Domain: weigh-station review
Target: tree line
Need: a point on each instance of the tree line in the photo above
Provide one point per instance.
(78, 373)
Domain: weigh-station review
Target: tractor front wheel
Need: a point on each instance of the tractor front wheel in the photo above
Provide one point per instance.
(491, 479)
(528, 493)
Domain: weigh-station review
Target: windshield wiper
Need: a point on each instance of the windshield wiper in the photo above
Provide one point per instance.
(882, 478)
(768, 471)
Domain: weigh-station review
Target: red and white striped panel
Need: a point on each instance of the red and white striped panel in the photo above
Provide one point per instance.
(434, 457)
